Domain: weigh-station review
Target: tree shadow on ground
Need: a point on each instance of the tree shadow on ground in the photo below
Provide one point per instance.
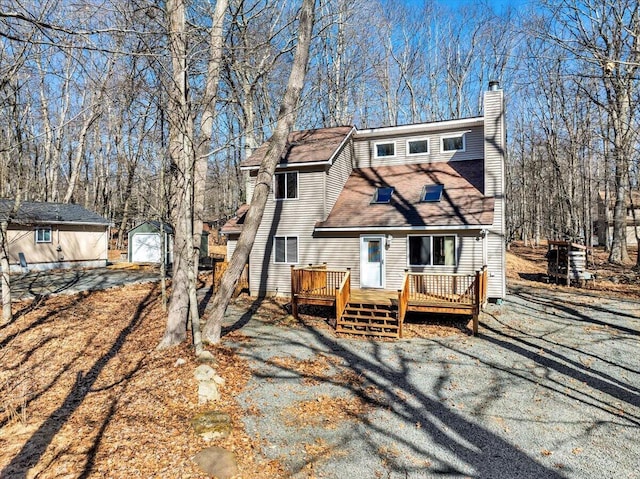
(442, 436)
(35, 447)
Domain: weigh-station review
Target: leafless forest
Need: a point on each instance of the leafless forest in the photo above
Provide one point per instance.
(87, 88)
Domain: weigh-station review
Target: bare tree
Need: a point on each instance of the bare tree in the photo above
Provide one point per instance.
(603, 38)
(277, 144)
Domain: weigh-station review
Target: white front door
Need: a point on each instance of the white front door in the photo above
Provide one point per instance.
(372, 261)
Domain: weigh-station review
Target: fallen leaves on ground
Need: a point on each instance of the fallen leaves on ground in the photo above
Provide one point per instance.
(324, 411)
(83, 392)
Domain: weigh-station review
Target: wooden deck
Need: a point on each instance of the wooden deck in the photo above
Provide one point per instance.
(359, 311)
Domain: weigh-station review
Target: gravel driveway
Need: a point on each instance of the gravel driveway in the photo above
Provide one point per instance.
(550, 388)
(38, 283)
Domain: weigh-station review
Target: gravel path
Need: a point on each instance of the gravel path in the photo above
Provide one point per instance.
(551, 388)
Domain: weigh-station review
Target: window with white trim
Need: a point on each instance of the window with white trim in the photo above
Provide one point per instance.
(384, 149)
(285, 185)
(43, 235)
(430, 250)
(419, 146)
(286, 249)
(453, 142)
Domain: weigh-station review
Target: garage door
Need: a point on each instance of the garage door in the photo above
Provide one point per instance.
(145, 248)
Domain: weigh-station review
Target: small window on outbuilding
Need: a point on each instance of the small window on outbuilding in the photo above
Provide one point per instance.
(43, 235)
(431, 193)
(382, 195)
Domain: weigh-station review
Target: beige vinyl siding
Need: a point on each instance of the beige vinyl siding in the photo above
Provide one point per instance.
(494, 134)
(69, 243)
(343, 251)
(474, 148)
(232, 241)
(292, 217)
(337, 176)
(250, 183)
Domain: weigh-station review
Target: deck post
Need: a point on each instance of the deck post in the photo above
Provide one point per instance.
(476, 306)
(294, 303)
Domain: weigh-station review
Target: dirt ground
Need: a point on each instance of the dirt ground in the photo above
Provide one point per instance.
(528, 264)
(84, 393)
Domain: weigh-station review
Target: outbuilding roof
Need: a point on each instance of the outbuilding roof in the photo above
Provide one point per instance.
(305, 146)
(462, 202)
(32, 212)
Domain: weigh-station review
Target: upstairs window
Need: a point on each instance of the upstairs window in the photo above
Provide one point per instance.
(286, 185)
(431, 193)
(286, 249)
(43, 235)
(418, 147)
(384, 150)
(454, 143)
(382, 195)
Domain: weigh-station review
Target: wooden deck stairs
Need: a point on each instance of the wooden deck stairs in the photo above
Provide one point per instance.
(381, 313)
(370, 319)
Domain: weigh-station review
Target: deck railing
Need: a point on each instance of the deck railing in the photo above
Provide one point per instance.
(443, 287)
(219, 267)
(445, 292)
(343, 292)
(315, 284)
(316, 280)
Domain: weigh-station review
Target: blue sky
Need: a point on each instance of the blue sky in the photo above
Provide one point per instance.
(499, 5)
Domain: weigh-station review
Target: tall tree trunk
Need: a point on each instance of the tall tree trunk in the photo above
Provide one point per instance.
(286, 120)
(216, 44)
(5, 273)
(181, 158)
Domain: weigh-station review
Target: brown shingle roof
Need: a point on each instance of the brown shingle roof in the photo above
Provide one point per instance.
(462, 202)
(234, 225)
(306, 146)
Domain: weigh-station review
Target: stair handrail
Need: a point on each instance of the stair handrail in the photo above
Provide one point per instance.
(403, 301)
(343, 293)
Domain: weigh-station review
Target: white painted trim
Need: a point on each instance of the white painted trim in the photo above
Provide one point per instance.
(384, 142)
(43, 228)
(344, 142)
(405, 228)
(421, 138)
(458, 134)
(420, 127)
(285, 249)
(285, 173)
(383, 266)
(455, 251)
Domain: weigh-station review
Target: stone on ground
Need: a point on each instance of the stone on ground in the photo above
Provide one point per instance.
(212, 425)
(217, 462)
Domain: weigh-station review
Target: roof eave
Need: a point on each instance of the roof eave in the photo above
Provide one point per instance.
(401, 228)
(420, 127)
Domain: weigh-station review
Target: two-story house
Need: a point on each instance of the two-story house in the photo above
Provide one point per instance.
(425, 197)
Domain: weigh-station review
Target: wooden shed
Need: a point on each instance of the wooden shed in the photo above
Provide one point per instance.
(567, 262)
